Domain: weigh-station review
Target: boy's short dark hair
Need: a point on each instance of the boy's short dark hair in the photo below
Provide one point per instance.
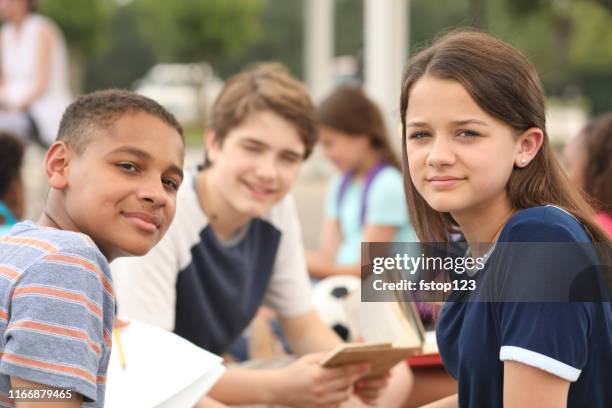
(265, 87)
(101, 109)
(11, 159)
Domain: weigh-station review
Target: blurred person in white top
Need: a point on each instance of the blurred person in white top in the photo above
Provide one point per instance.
(34, 72)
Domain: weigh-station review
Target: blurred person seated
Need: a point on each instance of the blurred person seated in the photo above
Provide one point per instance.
(588, 164)
(34, 87)
(12, 195)
(365, 202)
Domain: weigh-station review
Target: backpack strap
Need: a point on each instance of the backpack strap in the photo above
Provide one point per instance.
(346, 182)
(366, 188)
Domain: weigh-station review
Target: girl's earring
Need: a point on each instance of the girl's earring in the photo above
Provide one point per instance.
(524, 161)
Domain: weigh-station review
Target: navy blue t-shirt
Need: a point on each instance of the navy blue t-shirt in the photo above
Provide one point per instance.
(572, 340)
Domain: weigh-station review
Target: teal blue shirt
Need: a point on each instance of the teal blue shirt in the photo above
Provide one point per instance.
(386, 205)
(9, 219)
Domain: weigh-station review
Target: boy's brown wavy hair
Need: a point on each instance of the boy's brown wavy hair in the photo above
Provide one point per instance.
(265, 87)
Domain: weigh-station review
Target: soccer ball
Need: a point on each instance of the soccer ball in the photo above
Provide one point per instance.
(328, 295)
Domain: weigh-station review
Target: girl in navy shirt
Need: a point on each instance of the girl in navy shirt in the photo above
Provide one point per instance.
(476, 156)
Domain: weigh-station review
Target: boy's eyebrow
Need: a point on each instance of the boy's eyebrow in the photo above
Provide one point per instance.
(293, 153)
(176, 170)
(134, 151)
(146, 156)
(254, 141)
(260, 143)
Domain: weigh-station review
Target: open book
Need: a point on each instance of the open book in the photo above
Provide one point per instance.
(381, 356)
(162, 370)
(396, 322)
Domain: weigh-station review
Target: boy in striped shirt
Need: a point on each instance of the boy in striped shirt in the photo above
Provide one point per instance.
(113, 172)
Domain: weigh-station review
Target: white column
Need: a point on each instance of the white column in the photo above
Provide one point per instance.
(318, 66)
(318, 46)
(386, 49)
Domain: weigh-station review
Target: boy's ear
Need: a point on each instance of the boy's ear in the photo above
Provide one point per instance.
(56, 165)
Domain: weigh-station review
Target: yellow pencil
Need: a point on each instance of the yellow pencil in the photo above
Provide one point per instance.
(119, 347)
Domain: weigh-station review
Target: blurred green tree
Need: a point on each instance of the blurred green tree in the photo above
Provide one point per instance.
(428, 19)
(127, 58)
(568, 41)
(84, 23)
(348, 21)
(85, 26)
(281, 40)
(200, 30)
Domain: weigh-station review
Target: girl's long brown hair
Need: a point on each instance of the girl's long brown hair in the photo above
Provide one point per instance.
(504, 84)
(349, 110)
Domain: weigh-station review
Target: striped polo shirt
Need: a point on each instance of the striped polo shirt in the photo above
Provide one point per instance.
(56, 311)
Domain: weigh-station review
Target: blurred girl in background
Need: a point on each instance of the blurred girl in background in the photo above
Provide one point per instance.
(365, 201)
(588, 163)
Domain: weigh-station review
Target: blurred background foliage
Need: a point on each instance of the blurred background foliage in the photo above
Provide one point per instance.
(114, 42)
(85, 24)
(194, 30)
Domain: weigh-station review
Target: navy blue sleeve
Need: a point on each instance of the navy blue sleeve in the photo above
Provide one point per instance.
(541, 256)
(550, 336)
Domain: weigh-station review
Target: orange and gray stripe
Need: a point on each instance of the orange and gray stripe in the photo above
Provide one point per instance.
(53, 367)
(57, 330)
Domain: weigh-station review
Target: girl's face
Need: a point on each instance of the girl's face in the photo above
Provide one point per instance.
(256, 164)
(575, 159)
(460, 158)
(344, 150)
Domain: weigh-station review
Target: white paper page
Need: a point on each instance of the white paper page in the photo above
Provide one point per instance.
(192, 394)
(380, 321)
(431, 345)
(162, 370)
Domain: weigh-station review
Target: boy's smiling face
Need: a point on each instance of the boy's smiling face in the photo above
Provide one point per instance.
(121, 190)
(255, 165)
